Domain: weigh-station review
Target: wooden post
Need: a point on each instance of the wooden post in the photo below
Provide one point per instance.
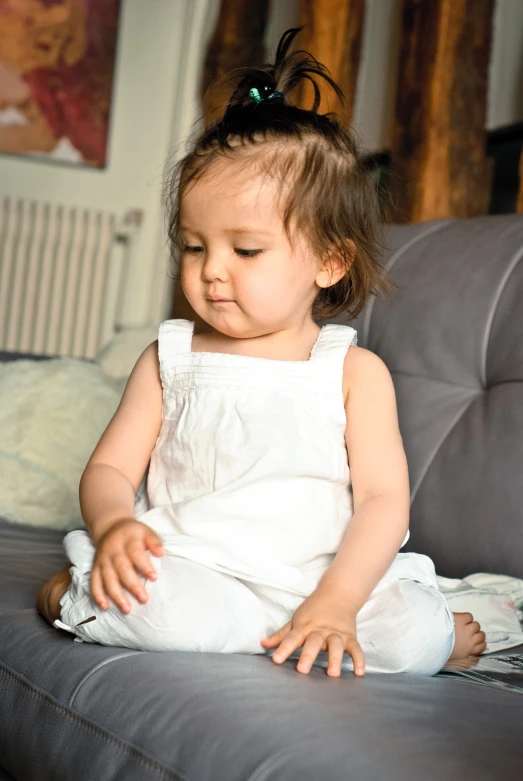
(439, 168)
(519, 205)
(332, 34)
(237, 40)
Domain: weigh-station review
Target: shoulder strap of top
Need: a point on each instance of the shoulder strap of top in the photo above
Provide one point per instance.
(333, 343)
(174, 339)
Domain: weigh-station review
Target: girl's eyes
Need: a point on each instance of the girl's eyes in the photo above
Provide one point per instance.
(248, 253)
(243, 253)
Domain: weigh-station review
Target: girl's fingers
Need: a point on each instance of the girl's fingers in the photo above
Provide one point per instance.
(275, 639)
(335, 647)
(289, 644)
(113, 588)
(154, 544)
(97, 589)
(480, 638)
(311, 648)
(353, 648)
(140, 559)
(129, 577)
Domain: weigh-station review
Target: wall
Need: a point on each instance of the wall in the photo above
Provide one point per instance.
(505, 97)
(183, 119)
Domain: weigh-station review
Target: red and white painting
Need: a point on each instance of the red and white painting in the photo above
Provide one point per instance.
(56, 78)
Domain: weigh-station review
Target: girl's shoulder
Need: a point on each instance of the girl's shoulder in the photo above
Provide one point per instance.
(364, 372)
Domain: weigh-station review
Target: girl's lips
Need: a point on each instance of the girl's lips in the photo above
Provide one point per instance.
(220, 300)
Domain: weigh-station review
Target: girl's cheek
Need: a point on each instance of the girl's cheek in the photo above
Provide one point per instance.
(188, 278)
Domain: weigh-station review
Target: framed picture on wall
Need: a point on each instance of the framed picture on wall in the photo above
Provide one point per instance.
(56, 78)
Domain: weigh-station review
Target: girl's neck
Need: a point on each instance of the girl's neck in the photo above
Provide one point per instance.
(277, 346)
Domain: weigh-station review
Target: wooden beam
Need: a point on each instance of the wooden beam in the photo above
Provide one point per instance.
(439, 167)
(332, 34)
(519, 205)
(237, 41)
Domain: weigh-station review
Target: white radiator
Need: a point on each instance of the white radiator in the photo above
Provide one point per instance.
(60, 277)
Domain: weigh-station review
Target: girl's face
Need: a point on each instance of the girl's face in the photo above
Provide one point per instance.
(239, 272)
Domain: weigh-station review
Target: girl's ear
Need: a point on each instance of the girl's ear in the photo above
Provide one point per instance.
(335, 266)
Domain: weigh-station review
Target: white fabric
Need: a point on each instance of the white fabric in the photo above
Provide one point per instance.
(52, 414)
(405, 626)
(65, 405)
(495, 601)
(249, 488)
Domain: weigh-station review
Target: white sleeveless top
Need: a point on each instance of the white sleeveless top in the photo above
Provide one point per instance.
(249, 474)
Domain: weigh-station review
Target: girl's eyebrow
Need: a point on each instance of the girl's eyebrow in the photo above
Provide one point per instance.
(248, 230)
(257, 231)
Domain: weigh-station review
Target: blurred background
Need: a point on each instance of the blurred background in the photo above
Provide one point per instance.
(96, 95)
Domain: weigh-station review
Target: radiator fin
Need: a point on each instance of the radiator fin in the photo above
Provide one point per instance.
(60, 278)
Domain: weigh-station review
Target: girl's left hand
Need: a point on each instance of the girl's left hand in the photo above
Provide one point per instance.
(325, 621)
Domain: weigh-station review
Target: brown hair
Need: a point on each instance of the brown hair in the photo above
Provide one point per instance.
(333, 199)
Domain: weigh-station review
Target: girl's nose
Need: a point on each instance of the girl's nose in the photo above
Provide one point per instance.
(213, 268)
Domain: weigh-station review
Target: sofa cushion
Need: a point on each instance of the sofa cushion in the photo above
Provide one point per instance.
(12, 355)
(112, 713)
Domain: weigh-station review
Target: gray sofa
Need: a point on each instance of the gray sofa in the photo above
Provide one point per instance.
(452, 336)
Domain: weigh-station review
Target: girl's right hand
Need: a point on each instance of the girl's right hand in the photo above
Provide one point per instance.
(121, 558)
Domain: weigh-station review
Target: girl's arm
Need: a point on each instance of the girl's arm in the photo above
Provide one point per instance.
(380, 480)
(326, 620)
(109, 484)
(116, 468)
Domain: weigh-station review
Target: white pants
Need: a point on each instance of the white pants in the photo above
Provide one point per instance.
(405, 626)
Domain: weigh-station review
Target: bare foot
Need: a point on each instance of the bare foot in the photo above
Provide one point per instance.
(48, 599)
(470, 640)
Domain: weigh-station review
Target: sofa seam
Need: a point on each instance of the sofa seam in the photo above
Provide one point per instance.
(440, 444)
(94, 670)
(393, 259)
(477, 390)
(89, 726)
(511, 267)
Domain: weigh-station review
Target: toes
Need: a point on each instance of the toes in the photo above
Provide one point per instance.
(40, 600)
(475, 627)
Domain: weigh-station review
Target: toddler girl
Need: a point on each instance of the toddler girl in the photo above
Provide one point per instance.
(259, 462)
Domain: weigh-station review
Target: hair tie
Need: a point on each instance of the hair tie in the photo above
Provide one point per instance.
(267, 94)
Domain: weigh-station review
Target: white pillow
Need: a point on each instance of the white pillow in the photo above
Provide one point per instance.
(52, 414)
(118, 357)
